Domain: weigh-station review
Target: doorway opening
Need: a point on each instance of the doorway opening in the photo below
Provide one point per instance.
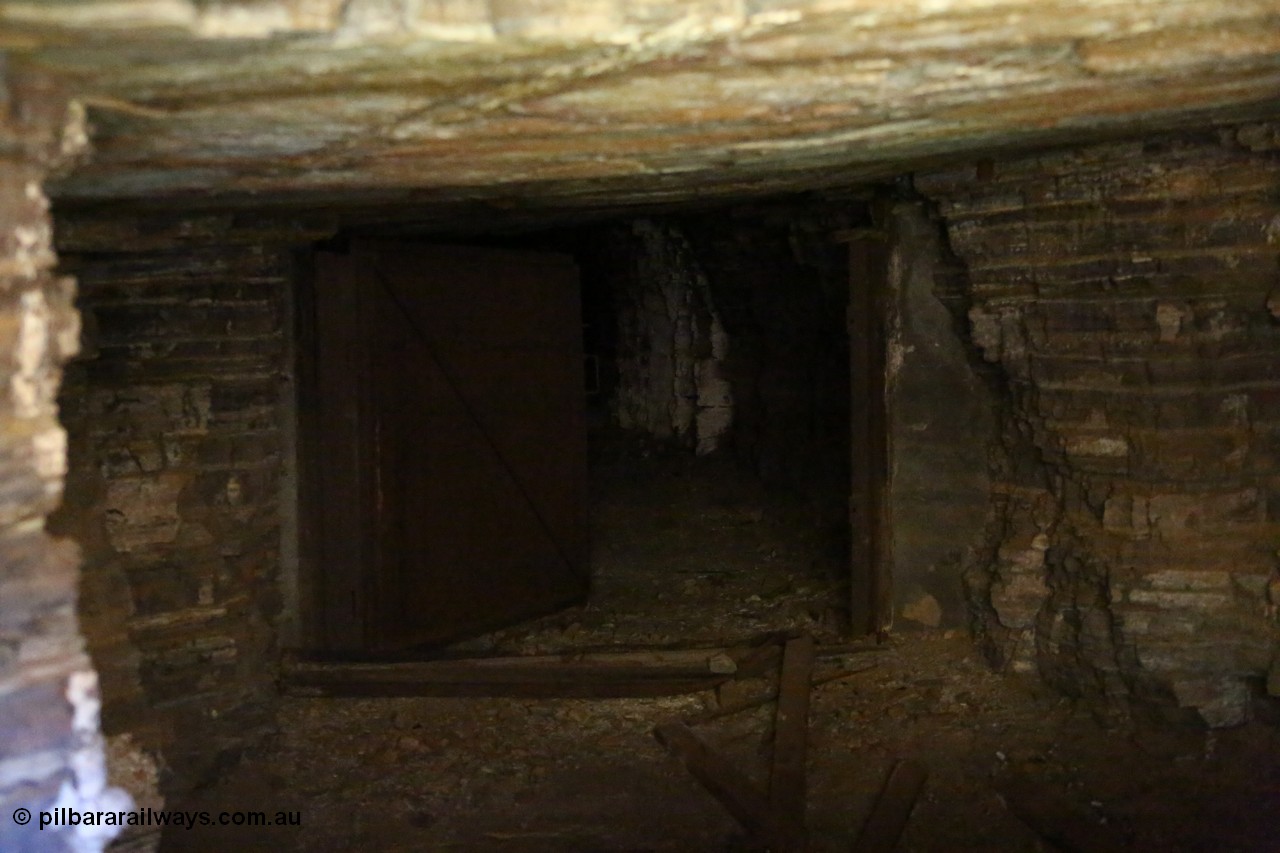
(619, 434)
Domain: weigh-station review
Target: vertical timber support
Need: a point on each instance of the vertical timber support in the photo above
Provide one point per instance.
(871, 605)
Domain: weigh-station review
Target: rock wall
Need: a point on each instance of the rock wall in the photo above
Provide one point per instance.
(671, 344)
(731, 335)
(942, 421)
(583, 103)
(176, 423)
(781, 283)
(51, 752)
(1128, 292)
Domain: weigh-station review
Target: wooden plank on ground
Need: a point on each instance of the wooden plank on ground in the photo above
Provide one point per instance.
(597, 674)
(602, 675)
(764, 657)
(765, 697)
(641, 688)
(787, 787)
(889, 813)
(1055, 818)
(741, 799)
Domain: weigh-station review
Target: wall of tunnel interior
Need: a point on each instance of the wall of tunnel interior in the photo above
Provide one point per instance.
(51, 752)
(179, 410)
(1128, 294)
(1117, 311)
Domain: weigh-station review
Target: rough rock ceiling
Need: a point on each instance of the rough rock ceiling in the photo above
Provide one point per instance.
(575, 103)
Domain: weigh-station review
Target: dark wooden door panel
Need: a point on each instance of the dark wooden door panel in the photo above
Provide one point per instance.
(474, 440)
(335, 479)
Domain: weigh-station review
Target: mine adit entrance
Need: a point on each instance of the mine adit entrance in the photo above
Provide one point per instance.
(638, 415)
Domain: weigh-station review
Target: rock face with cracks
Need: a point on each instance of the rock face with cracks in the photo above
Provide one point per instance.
(51, 752)
(599, 102)
(1123, 290)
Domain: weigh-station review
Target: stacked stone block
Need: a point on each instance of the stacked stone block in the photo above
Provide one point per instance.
(1124, 291)
(176, 423)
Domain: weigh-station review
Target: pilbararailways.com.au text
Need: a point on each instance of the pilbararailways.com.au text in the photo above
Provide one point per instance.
(65, 816)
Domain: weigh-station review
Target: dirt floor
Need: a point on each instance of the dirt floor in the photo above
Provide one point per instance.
(695, 553)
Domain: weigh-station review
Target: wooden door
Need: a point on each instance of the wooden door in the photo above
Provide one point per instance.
(452, 478)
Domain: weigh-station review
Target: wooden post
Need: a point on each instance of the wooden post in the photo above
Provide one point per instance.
(871, 605)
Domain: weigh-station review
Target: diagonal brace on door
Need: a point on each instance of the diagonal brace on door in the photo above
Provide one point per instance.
(455, 388)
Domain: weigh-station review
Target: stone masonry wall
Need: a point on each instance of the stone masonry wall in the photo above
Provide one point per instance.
(51, 752)
(1130, 294)
(175, 423)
